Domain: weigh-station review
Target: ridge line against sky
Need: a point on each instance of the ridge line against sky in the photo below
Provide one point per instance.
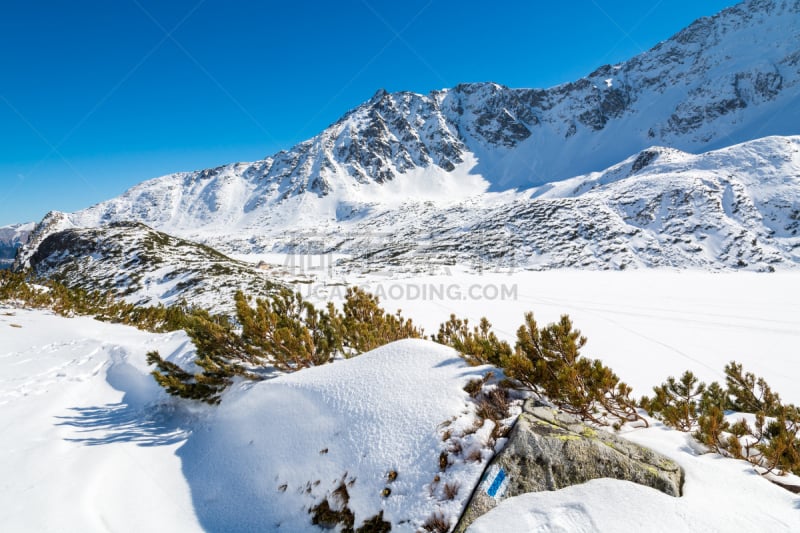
(99, 96)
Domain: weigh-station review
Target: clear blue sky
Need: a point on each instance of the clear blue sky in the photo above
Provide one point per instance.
(96, 96)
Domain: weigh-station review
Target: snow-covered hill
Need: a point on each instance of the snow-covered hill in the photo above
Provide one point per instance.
(348, 424)
(143, 266)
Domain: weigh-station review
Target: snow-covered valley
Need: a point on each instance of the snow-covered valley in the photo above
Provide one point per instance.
(655, 201)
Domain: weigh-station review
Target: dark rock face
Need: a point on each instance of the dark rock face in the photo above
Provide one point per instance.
(67, 245)
(549, 450)
(643, 159)
(51, 223)
(63, 243)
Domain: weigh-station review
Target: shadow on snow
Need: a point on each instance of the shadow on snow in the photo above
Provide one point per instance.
(154, 425)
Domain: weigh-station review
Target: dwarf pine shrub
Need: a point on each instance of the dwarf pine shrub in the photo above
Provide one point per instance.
(364, 325)
(676, 402)
(282, 332)
(771, 442)
(287, 332)
(547, 361)
(478, 346)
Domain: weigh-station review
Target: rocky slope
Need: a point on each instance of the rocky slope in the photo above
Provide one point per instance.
(734, 208)
(146, 267)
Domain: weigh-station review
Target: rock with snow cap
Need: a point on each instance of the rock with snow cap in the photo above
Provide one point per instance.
(550, 450)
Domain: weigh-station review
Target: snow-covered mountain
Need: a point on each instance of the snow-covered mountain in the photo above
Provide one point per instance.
(734, 208)
(484, 173)
(722, 80)
(11, 238)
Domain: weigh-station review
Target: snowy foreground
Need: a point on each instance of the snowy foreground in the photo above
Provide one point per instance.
(79, 450)
(90, 443)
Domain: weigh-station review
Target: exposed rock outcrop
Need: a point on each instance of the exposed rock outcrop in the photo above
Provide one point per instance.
(550, 450)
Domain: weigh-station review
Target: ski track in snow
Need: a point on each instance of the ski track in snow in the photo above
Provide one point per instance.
(646, 325)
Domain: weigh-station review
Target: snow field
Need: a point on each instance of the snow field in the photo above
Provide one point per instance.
(90, 443)
(80, 448)
(646, 325)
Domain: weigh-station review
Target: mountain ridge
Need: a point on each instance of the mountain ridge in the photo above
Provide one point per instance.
(710, 89)
(727, 78)
(729, 209)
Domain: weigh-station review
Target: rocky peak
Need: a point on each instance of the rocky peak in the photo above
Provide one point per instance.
(52, 222)
(723, 80)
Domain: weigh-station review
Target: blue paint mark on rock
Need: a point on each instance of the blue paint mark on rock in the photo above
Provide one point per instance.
(495, 482)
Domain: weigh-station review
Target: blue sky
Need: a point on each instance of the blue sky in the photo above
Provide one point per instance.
(96, 96)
